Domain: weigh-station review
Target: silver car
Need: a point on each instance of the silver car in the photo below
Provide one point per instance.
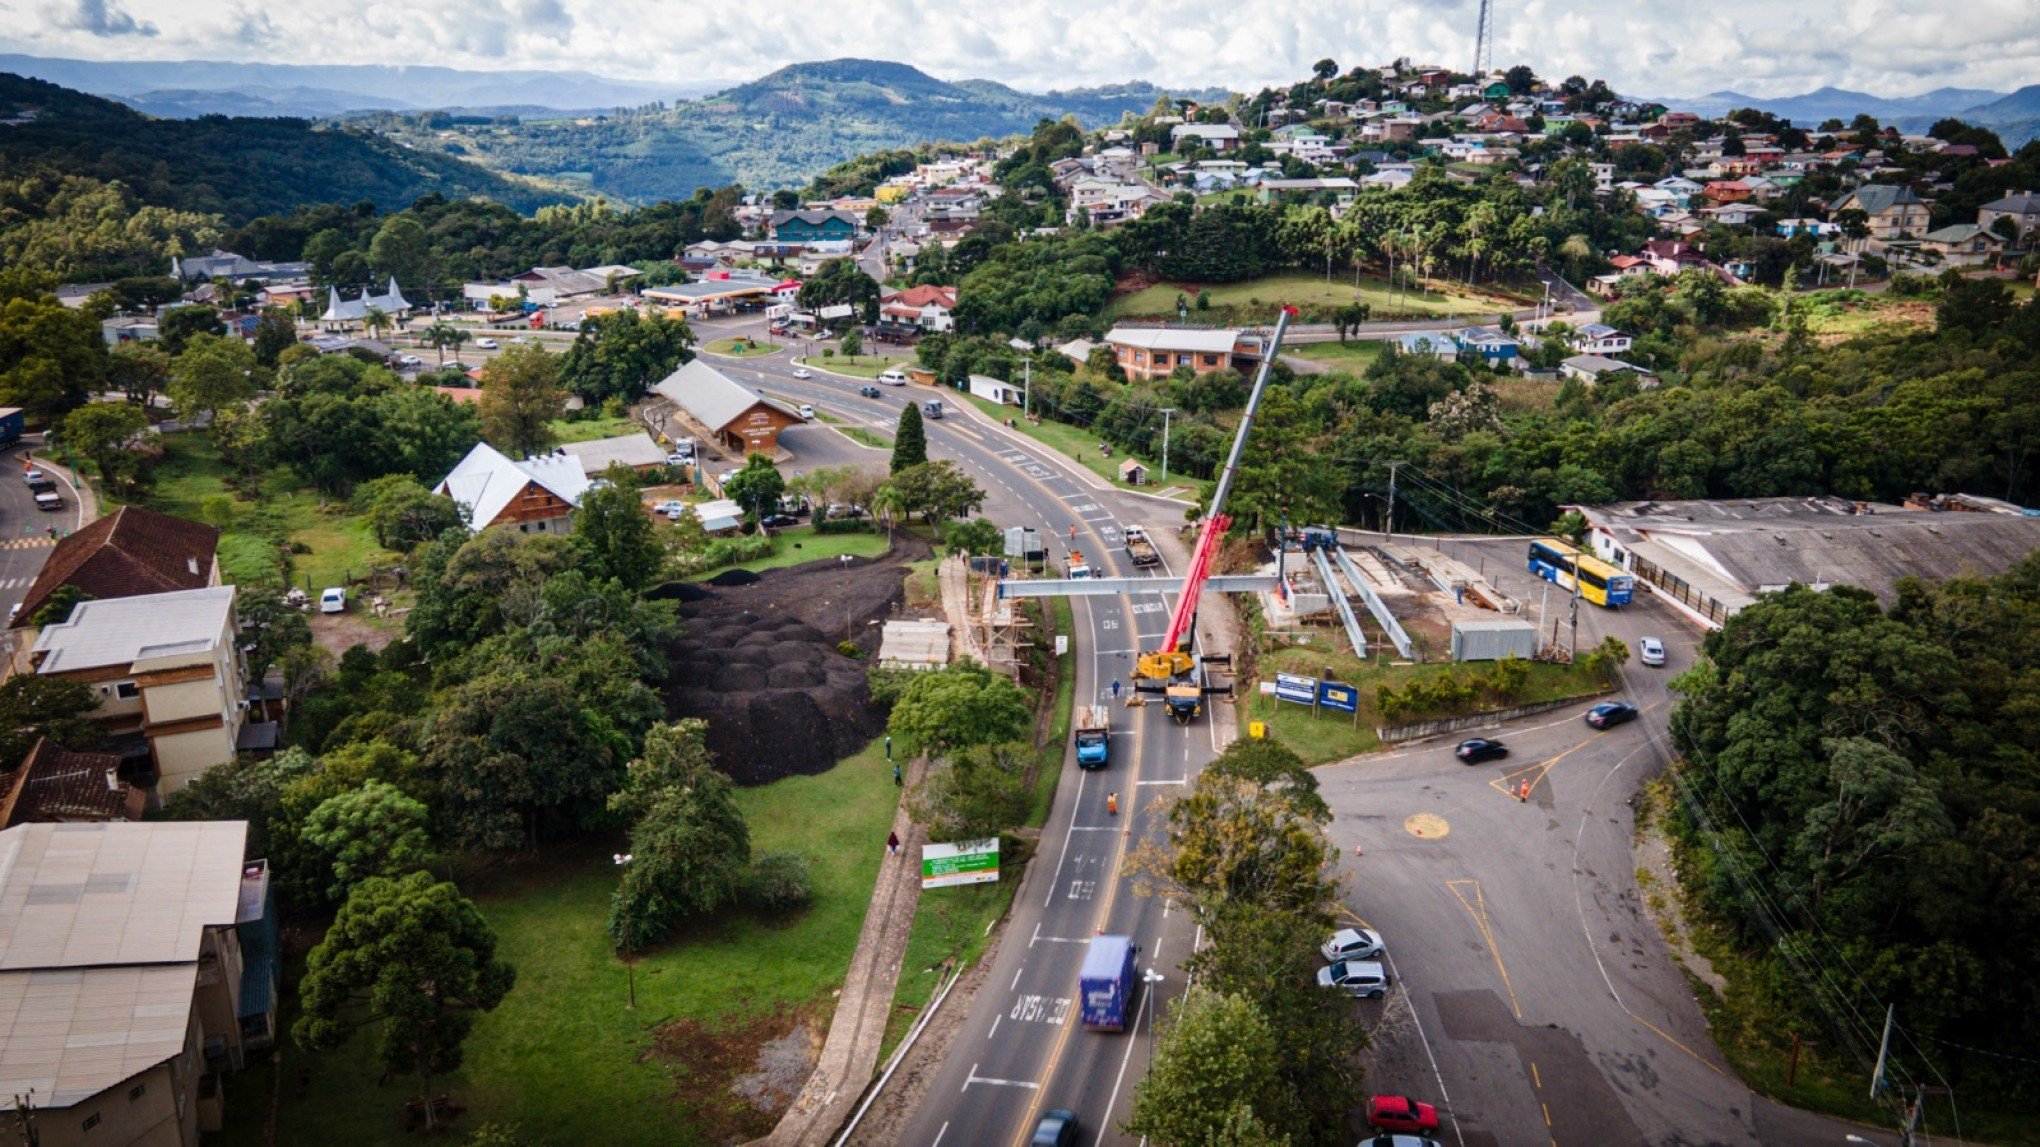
(1352, 944)
(1363, 978)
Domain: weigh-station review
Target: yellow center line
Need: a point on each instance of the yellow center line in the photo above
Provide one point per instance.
(1477, 908)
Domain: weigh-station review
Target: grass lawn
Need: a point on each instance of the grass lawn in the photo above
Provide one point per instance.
(953, 925)
(1080, 444)
(791, 547)
(590, 429)
(563, 1057)
(1312, 293)
(859, 366)
(1320, 736)
(288, 509)
(1354, 356)
(741, 347)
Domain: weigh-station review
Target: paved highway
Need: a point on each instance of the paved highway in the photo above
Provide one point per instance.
(1020, 1050)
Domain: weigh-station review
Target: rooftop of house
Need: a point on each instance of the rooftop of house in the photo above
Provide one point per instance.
(129, 552)
(1174, 339)
(487, 480)
(53, 783)
(599, 454)
(125, 630)
(711, 397)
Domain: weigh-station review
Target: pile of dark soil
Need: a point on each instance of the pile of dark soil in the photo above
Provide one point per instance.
(758, 661)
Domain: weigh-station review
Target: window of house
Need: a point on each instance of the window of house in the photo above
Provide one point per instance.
(126, 690)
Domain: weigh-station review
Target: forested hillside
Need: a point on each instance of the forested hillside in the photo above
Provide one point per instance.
(234, 168)
(779, 131)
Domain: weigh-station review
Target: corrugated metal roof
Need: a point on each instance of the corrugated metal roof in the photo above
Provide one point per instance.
(80, 895)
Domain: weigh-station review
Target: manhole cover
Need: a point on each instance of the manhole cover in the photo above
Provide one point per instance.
(1426, 825)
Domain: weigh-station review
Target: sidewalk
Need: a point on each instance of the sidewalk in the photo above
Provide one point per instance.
(849, 1056)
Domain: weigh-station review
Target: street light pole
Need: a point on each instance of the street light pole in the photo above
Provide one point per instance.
(623, 860)
(1166, 412)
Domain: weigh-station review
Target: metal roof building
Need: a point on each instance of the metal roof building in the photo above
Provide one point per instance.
(1714, 557)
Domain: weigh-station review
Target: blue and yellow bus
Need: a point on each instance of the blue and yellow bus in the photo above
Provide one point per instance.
(1599, 582)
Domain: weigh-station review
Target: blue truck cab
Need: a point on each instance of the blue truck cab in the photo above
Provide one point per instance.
(1105, 984)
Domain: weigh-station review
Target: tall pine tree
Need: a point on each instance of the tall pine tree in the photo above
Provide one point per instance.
(910, 441)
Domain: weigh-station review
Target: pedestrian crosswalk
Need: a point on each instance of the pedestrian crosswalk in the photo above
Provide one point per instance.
(27, 543)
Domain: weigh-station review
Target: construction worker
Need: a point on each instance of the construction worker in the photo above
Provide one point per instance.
(1112, 805)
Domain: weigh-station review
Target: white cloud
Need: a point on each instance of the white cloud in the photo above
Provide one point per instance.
(1651, 47)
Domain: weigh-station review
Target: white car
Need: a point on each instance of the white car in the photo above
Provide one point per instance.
(333, 599)
(487, 344)
(1650, 651)
(802, 372)
(806, 411)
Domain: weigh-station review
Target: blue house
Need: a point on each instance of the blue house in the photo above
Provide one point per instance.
(1488, 344)
(813, 226)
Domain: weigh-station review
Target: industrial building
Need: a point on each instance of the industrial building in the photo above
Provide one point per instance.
(1712, 558)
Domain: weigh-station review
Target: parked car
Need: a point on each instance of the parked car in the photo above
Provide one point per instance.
(1363, 978)
(1058, 1128)
(1401, 1113)
(333, 599)
(486, 344)
(802, 372)
(806, 411)
(779, 521)
(1609, 714)
(1352, 944)
(1479, 749)
(1651, 651)
(868, 391)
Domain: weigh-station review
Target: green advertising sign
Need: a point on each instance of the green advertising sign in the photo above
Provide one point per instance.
(965, 862)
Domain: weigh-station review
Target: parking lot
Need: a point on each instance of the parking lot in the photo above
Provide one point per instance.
(1534, 1000)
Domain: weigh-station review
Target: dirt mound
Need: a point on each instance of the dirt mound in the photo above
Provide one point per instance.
(758, 660)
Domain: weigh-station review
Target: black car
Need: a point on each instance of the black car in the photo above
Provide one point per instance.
(1609, 714)
(1481, 749)
(868, 391)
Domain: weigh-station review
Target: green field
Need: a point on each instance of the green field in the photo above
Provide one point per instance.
(190, 483)
(1323, 736)
(741, 348)
(860, 366)
(587, 430)
(563, 1056)
(1258, 299)
(1355, 356)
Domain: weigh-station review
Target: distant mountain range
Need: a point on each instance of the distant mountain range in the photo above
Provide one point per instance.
(237, 168)
(2014, 116)
(778, 131)
(181, 89)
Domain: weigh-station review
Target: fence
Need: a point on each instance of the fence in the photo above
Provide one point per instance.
(1681, 591)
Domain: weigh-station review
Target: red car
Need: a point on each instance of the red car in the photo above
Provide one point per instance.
(1401, 1113)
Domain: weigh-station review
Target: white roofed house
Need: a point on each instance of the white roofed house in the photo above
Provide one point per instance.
(350, 312)
(137, 966)
(1155, 352)
(167, 670)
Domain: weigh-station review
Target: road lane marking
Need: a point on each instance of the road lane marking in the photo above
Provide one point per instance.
(1477, 908)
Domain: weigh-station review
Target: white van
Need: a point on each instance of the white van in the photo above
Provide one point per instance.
(895, 377)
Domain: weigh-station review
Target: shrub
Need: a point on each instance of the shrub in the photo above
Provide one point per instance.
(779, 881)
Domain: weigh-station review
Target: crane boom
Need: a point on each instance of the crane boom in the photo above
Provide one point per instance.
(1172, 659)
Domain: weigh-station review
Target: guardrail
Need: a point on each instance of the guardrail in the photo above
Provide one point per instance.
(1389, 625)
(1339, 602)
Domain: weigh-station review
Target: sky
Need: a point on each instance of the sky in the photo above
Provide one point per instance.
(1644, 47)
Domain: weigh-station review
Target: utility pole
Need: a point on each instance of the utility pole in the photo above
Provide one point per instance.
(1166, 411)
(1388, 524)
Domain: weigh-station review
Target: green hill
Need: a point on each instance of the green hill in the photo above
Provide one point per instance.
(236, 168)
(778, 131)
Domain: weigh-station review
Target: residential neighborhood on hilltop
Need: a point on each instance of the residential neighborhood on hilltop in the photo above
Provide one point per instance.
(1410, 606)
